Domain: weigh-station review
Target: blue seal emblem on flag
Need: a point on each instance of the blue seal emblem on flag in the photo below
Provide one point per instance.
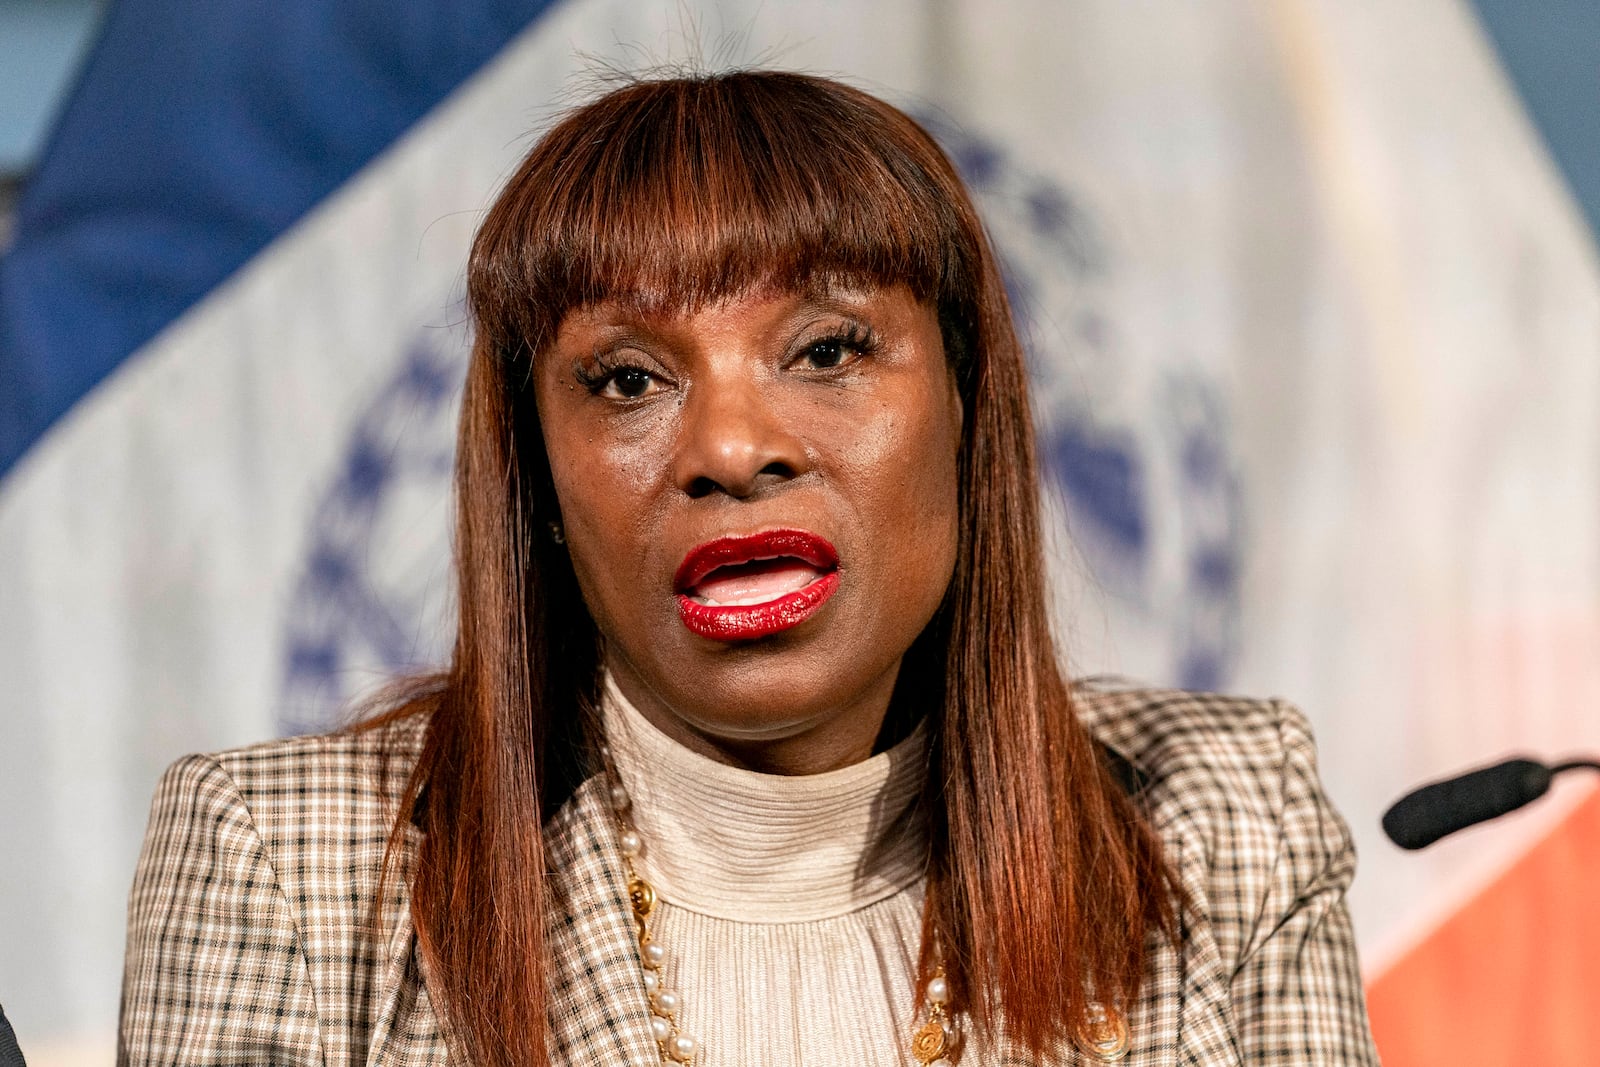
(374, 598)
(1134, 443)
(1143, 485)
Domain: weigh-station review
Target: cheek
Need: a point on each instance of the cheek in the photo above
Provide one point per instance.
(602, 468)
(607, 495)
(907, 487)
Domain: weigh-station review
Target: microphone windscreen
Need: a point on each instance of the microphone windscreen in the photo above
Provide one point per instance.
(1421, 817)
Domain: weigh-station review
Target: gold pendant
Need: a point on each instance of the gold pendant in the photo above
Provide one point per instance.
(929, 1043)
(642, 895)
(1106, 1038)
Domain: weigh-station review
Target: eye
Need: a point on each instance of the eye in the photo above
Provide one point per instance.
(627, 383)
(824, 354)
(615, 380)
(839, 349)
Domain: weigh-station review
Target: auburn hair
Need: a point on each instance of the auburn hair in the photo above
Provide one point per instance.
(1045, 884)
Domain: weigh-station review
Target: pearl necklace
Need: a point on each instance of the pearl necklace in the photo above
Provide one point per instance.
(933, 1044)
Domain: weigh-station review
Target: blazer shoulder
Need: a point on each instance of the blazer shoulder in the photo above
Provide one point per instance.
(1203, 754)
(322, 806)
(1232, 788)
(276, 853)
(369, 765)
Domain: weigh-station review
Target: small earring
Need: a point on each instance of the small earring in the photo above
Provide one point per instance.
(557, 534)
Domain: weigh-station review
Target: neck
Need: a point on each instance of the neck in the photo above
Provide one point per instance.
(807, 743)
(752, 847)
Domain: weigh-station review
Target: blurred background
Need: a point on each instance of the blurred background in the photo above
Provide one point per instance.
(1313, 311)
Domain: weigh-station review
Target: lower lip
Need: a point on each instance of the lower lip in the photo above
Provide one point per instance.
(747, 622)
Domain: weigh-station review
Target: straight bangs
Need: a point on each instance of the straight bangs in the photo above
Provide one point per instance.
(671, 195)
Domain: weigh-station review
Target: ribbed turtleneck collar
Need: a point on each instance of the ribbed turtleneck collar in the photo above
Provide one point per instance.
(738, 844)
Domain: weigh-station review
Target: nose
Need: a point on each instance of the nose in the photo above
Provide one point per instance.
(735, 440)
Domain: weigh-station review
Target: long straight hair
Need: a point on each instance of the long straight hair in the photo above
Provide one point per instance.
(1044, 883)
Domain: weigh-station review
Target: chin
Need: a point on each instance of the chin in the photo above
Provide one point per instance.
(788, 686)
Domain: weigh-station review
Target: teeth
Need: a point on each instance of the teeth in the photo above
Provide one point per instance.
(742, 602)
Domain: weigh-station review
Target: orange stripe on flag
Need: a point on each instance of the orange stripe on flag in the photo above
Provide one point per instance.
(1514, 976)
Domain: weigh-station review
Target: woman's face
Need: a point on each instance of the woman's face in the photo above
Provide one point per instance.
(760, 501)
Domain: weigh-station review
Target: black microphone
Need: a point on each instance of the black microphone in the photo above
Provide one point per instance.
(1424, 815)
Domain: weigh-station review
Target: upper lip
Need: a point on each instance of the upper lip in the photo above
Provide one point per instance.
(803, 545)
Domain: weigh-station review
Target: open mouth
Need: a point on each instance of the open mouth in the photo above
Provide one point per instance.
(743, 588)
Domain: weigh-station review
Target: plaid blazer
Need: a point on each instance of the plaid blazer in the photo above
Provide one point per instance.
(250, 942)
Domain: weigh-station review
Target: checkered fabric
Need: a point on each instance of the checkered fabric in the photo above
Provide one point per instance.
(250, 939)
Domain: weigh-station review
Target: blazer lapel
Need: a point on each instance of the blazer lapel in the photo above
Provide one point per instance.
(598, 1012)
(1182, 1014)
(1154, 1024)
(1188, 1001)
(598, 1015)
(406, 1030)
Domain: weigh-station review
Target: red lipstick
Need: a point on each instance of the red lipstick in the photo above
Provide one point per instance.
(743, 588)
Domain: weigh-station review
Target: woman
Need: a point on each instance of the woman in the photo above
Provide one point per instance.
(754, 746)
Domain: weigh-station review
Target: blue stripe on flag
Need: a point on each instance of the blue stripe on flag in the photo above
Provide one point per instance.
(199, 132)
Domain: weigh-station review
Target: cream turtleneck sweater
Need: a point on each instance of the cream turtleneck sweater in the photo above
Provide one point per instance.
(790, 907)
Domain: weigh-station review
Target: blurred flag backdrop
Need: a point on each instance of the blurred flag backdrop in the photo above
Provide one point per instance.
(1313, 327)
